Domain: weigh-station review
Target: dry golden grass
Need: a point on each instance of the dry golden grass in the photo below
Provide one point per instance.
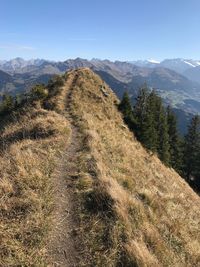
(57, 102)
(137, 212)
(133, 210)
(30, 146)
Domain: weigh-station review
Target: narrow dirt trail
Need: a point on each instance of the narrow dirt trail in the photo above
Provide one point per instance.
(64, 248)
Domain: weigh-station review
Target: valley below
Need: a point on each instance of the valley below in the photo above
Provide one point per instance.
(182, 94)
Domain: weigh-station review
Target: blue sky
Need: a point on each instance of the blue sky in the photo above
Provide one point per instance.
(113, 29)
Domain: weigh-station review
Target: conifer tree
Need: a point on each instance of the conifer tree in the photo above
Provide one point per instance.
(152, 128)
(158, 128)
(197, 172)
(149, 136)
(174, 141)
(161, 136)
(192, 152)
(127, 110)
(163, 149)
(140, 110)
(152, 124)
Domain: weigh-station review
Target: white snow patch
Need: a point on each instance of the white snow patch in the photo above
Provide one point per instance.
(153, 61)
(189, 63)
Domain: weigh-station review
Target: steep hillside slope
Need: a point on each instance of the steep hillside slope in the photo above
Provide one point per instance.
(193, 74)
(83, 192)
(31, 142)
(5, 79)
(137, 212)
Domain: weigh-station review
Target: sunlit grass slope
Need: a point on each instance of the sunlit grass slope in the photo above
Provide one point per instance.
(31, 141)
(135, 211)
(132, 211)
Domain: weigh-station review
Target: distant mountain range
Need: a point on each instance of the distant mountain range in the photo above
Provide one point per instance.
(19, 65)
(179, 65)
(16, 64)
(176, 80)
(188, 67)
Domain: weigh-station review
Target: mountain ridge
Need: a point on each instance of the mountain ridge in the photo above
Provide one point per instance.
(174, 88)
(179, 65)
(130, 209)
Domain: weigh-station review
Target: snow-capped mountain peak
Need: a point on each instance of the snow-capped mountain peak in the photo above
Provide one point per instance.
(153, 61)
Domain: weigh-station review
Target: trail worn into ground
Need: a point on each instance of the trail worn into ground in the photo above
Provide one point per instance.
(65, 245)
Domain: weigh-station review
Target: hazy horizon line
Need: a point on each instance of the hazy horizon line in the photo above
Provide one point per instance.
(96, 58)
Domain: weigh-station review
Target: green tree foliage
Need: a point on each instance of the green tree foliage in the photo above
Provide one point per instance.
(39, 91)
(140, 109)
(163, 147)
(148, 133)
(152, 128)
(10, 103)
(192, 152)
(127, 110)
(7, 104)
(18, 100)
(175, 141)
(55, 84)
